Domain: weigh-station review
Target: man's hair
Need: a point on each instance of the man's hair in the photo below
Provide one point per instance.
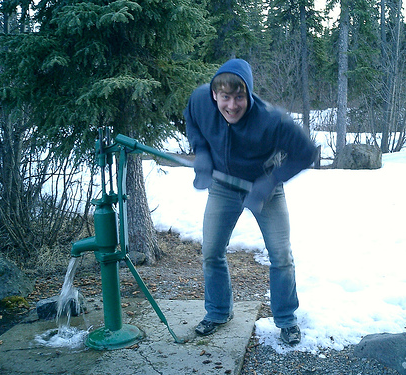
(229, 83)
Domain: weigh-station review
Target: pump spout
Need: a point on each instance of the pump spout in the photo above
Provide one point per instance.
(86, 244)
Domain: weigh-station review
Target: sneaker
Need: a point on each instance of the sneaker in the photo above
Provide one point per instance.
(291, 335)
(207, 327)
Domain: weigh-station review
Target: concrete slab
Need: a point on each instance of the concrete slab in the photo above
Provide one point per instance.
(220, 353)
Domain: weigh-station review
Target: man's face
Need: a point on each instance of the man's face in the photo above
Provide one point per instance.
(231, 105)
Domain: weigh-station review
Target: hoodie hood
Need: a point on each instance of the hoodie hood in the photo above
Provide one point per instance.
(242, 69)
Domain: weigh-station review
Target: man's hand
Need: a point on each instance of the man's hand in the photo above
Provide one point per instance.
(262, 190)
(203, 166)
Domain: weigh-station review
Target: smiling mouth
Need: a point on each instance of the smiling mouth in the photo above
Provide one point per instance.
(233, 113)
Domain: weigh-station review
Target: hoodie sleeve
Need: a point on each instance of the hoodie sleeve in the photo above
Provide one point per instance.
(196, 139)
(299, 150)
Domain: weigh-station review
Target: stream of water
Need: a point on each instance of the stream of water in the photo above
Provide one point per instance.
(65, 335)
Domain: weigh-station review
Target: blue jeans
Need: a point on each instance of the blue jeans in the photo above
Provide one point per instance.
(224, 207)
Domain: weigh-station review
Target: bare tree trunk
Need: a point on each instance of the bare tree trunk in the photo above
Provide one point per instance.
(5, 22)
(304, 70)
(385, 64)
(13, 212)
(395, 77)
(390, 55)
(342, 76)
(141, 232)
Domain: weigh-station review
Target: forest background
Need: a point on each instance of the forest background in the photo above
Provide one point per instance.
(68, 68)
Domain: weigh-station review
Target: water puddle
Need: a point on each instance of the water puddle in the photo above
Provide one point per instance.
(65, 335)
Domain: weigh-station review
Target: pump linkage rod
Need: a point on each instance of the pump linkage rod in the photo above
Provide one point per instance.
(136, 147)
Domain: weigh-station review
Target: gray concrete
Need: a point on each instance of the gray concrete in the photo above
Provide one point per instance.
(220, 353)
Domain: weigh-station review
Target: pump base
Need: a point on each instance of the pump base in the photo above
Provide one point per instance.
(104, 339)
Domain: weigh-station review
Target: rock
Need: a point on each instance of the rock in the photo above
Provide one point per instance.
(13, 281)
(47, 308)
(388, 349)
(359, 156)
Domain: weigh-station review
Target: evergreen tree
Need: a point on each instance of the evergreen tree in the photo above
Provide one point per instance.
(31, 218)
(292, 29)
(233, 34)
(122, 64)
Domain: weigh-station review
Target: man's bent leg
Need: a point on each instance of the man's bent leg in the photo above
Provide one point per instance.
(275, 227)
(223, 208)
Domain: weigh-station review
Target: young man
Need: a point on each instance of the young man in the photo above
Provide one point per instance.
(233, 131)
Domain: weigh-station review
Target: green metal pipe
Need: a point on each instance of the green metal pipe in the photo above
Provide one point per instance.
(139, 147)
(105, 227)
(86, 244)
(114, 334)
(111, 296)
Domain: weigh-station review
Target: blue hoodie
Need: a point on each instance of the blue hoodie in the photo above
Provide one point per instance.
(243, 149)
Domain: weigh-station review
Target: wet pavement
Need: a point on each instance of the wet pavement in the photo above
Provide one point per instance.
(156, 353)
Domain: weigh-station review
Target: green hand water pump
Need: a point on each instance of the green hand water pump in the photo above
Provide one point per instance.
(109, 233)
